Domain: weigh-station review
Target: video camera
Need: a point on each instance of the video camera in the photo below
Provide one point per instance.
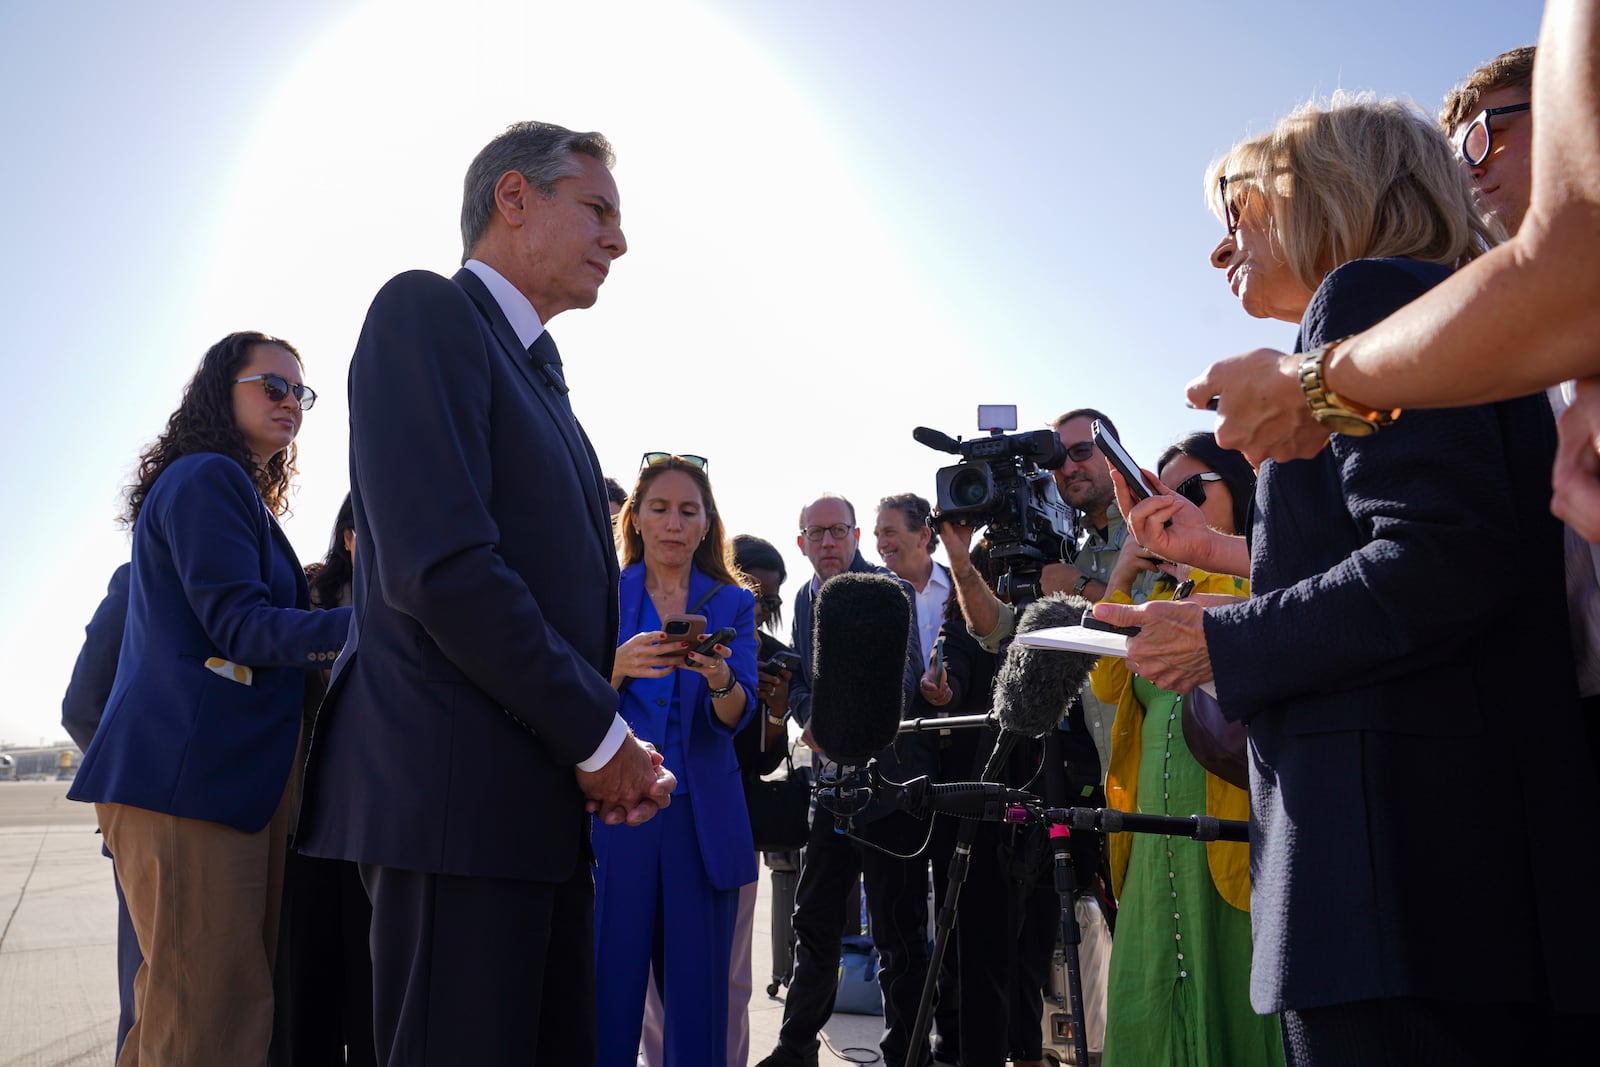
(1003, 481)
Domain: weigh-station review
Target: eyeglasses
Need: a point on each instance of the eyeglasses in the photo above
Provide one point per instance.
(1080, 451)
(838, 531)
(278, 387)
(1230, 210)
(652, 458)
(1193, 488)
(1479, 135)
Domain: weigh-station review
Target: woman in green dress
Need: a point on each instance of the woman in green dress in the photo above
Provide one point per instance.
(1179, 990)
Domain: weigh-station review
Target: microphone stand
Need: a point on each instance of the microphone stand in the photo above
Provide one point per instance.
(960, 862)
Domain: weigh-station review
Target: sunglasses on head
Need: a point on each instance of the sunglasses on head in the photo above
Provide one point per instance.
(1193, 488)
(278, 387)
(652, 458)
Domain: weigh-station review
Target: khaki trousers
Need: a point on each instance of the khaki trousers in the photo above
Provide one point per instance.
(204, 902)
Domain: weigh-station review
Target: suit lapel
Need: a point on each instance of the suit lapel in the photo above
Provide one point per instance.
(566, 423)
(630, 599)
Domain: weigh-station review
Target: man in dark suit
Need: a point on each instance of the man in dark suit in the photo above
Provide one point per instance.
(470, 725)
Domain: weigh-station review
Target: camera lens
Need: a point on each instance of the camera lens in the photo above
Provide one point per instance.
(969, 488)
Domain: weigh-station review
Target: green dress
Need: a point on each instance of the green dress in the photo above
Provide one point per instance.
(1179, 989)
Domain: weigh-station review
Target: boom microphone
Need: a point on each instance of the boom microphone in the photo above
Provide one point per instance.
(863, 625)
(1034, 686)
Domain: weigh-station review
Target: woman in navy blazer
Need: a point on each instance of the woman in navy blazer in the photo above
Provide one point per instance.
(667, 892)
(1417, 765)
(190, 770)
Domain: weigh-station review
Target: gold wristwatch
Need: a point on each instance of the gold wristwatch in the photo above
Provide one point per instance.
(1329, 408)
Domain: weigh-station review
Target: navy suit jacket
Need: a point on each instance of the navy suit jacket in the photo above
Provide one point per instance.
(96, 668)
(213, 578)
(1418, 766)
(711, 770)
(477, 673)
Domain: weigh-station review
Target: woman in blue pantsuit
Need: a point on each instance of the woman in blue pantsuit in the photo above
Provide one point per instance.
(667, 892)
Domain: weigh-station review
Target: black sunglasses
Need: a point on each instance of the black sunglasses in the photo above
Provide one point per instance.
(1193, 488)
(652, 458)
(1081, 451)
(1230, 211)
(1478, 138)
(278, 387)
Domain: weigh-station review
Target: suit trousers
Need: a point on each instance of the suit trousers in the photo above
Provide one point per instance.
(322, 1002)
(740, 985)
(481, 970)
(655, 909)
(897, 908)
(203, 899)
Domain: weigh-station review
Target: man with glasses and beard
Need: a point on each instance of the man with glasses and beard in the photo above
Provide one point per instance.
(896, 889)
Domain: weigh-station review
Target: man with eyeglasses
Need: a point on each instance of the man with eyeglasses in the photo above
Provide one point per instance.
(1489, 119)
(470, 726)
(896, 889)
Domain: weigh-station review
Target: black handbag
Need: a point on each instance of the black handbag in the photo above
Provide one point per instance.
(780, 808)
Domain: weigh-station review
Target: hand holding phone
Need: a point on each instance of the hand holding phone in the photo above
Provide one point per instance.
(687, 628)
(708, 645)
(1118, 457)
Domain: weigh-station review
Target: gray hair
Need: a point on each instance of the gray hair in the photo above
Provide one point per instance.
(541, 152)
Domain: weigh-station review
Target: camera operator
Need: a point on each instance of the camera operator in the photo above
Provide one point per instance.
(1084, 481)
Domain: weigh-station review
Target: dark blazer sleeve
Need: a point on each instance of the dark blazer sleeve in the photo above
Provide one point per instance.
(800, 636)
(96, 668)
(1412, 513)
(423, 455)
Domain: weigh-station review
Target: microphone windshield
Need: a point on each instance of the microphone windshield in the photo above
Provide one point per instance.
(863, 624)
(936, 440)
(1035, 685)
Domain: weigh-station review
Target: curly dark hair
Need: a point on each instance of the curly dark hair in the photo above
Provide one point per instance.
(204, 423)
(337, 568)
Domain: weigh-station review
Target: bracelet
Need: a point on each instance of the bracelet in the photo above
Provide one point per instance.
(775, 720)
(718, 694)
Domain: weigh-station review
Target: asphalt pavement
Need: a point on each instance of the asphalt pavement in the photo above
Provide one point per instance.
(58, 927)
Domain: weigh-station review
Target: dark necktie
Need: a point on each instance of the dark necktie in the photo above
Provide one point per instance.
(547, 361)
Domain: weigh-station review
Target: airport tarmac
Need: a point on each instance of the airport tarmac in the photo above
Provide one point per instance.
(58, 924)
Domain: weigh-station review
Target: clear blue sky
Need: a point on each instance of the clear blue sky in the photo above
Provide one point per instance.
(845, 219)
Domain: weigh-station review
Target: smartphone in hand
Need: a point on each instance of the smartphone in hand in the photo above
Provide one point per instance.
(707, 647)
(690, 628)
(1118, 457)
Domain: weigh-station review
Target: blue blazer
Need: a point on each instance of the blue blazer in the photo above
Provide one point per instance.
(711, 773)
(478, 670)
(213, 578)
